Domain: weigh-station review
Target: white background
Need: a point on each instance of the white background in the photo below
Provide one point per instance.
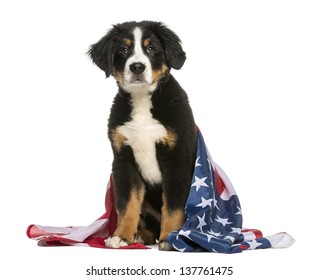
(251, 76)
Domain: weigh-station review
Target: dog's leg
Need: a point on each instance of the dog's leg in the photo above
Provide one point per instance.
(129, 195)
(127, 221)
(170, 220)
(174, 196)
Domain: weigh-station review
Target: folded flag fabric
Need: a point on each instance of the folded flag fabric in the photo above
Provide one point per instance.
(92, 235)
(213, 218)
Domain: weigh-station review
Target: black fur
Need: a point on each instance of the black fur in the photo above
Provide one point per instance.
(170, 107)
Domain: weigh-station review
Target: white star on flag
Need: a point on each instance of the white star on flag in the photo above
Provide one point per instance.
(209, 236)
(230, 238)
(202, 222)
(236, 230)
(253, 244)
(239, 212)
(184, 233)
(215, 202)
(224, 222)
(199, 182)
(179, 249)
(197, 162)
(216, 234)
(204, 203)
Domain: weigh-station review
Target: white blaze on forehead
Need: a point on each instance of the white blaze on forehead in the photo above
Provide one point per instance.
(139, 55)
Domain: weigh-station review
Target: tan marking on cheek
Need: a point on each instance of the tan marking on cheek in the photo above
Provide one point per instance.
(170, 220)
(127, 222)
(164, 68)
(170, 139)
(127, 42)
(117, 139)
(147, 42)
(158, 74)
(119, 76)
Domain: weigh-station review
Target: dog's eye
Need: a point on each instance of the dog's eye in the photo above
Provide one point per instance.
(150, 50)
(124, 49)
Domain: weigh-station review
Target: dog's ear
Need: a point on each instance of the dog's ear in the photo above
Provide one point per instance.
(102, 52)
(171, 44)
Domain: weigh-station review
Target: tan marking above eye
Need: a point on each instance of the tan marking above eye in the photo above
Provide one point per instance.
(127, 42)
(147, 42)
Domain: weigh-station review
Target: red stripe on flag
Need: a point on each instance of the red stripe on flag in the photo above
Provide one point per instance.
(33, 231)
(258, 233)
(220, 187)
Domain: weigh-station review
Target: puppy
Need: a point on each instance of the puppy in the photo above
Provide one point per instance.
(151, 129)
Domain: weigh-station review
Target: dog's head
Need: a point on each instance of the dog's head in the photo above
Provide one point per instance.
(138, 54)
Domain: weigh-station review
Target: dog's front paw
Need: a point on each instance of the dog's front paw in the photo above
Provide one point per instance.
(164, 246)
(116, 242)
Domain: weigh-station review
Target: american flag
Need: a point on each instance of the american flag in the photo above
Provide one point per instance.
(213, 218)
(214, 215)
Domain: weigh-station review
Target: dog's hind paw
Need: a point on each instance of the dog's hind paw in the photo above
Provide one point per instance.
(164, 246)
(115, 242)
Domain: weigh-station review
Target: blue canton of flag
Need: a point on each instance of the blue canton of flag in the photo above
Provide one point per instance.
(213, 214)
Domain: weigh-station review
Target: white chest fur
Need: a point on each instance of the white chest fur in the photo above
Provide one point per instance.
(142, 133)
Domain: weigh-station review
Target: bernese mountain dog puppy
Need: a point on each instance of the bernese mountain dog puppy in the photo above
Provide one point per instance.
(151, 129)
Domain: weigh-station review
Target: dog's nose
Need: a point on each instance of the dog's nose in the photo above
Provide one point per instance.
(137, 68)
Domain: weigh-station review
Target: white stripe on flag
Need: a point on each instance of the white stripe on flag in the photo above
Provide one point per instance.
(249, 235)
(281, 240)
(81, 233)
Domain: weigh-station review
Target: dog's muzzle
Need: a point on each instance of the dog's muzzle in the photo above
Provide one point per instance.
(137, 70)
